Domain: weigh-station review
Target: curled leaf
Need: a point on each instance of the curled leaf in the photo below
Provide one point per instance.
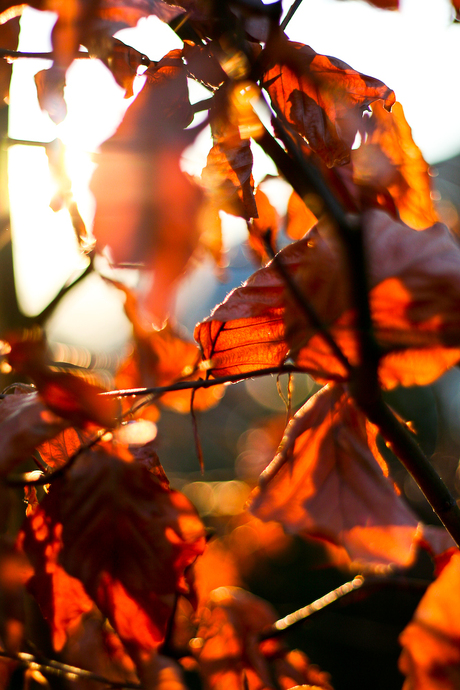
(323, 98)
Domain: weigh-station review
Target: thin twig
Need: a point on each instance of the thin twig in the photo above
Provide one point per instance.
(218, 381)
(17, 54)
(56, 668)
(344, 591)
(290, 13)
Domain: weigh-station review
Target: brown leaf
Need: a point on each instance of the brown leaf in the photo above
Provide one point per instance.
(50, 85)
(325, 482)
(299, 218)
(9, 34)
(388, 159)
(322, 98)
(203, 64)
(147, 208)
(124, 61)
(25, 422)
(415, 290)
(126, 538)
(430, 659)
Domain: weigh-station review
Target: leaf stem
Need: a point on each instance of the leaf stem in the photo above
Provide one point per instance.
(290, 13)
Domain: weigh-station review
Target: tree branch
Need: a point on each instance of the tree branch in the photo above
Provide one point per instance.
(56, 668)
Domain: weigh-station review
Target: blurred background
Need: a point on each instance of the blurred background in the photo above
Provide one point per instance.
(416, 51)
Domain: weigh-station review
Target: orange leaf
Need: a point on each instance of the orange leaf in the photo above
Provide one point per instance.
(414, 297)
(299, 218)
(147, 208)
(430, 659)
(57, 451)
(160, 358)
(228, 172)
(124, 61)
(389, 159)
(62, 598)
(265, 225)
(322, 98)
(129, 545)
(325, 482)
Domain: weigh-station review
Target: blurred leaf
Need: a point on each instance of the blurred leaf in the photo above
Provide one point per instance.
(325, 482)
(203, 64)
(123, 62)
(147, 208)
(230, 655)
(50, 85)
(9, 34)
(430, 659)
(25, 422)
(299, 217)
(125, 537)
(322, 98)
(73, 396)
(265, 225)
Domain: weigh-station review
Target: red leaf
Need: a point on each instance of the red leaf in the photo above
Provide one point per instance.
(73, 396)
(431, 654)
(126, 538)
(322, 98)
(299, 218)
(147, 208)
(414, 296)
(62, 598)
(265, 225)
(57, 451)
(325, 482)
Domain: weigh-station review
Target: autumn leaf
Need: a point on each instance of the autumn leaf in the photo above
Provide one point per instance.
(299, 218)
(325, 482)
(227, 176)
(388, 159)
(414, 293)
(266, 225)
(147, 208)
(9, 34)
(25, 422)
(73, 396)
(430, 659)
(124, 61)
(230, 654)
(62, 598)
(322, 97)
(203, 64)
(161, 358)
(57, 451)
(125, 537)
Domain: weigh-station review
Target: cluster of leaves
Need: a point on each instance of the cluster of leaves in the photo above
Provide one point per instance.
(364, 297)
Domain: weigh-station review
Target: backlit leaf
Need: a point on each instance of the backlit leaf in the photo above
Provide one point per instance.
(124, 61)
(389, 159)
(430, 659)
(414, 297)
(322, 98)
(299, 218)
(266, 225)
(325, 482)
(126, 538)
(57, 451)
(147, 208)
(160, 358)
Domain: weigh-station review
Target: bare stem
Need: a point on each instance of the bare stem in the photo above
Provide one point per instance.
(56, 668)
